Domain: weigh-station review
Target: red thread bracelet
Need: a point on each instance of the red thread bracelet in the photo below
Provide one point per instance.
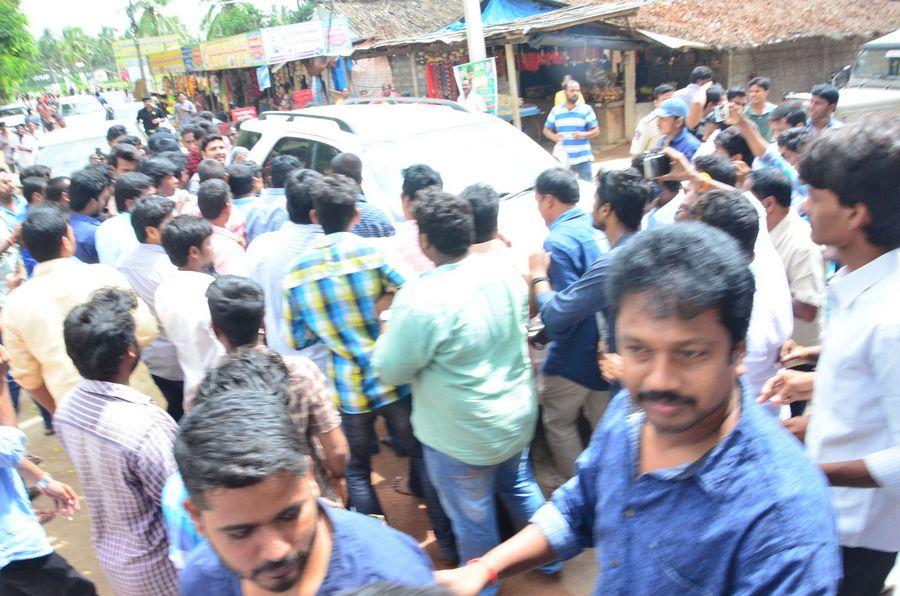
(493, 578)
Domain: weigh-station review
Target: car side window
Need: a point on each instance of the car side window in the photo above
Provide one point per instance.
(302, 149)
(324, 155)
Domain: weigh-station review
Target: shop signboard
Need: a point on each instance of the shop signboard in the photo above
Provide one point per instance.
(168, 62)
(237, 51)
(307, 40)
(246, 113)
(124, 50)
(482, 74)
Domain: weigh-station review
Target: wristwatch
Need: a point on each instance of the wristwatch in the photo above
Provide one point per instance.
(44, 482)
(538, 279)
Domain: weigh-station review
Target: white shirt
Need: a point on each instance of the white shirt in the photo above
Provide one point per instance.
(856, 401)
(646, 134)
(183, 312)
(114, 238)
(664, 215)
(26, 148)
(145, 267)
(269, 257)
(473, 101)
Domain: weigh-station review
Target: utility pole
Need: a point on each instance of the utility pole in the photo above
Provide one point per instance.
(137, 43)
(474, 30)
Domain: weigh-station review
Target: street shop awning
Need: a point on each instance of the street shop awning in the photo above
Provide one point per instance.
(673, 43)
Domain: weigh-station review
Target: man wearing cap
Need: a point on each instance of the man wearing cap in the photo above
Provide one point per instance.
(670, 117)
(150, 116)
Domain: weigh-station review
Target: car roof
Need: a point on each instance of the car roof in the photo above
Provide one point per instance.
(889, 41)
(77, 98)
(82, 130)
(372, 122)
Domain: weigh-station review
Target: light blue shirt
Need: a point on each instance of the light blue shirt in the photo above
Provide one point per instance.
(21, 536)
(115, 238)
(581, 118)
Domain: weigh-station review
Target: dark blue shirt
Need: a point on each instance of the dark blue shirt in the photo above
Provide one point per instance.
(364, 551)
(752, 516)
(684, 142)
(573, 248)
(85, 229)
(373, 223)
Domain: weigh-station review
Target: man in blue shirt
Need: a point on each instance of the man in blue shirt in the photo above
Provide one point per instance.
(569, 378)
(373, 223)
(688, 485)
(89, 191)
(672, 116)
(254, 498)
(574, 124)
(822, 104)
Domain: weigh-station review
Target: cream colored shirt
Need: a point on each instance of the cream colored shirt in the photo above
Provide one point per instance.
(33, 319)
(646, 134)
(805, 269)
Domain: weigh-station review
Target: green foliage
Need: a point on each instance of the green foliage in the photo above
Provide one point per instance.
(18, 52)
(153, 21)
(282, 15)
(224, 20)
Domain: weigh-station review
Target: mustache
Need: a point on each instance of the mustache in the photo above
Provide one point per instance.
(285, 563)
(668, 397)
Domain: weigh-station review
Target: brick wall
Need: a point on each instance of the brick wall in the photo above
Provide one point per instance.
(793, 65)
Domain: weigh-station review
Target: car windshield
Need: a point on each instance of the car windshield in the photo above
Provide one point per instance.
(491, 152)
(65, 158)
(83, 106)
(12, 111)
(878, 64)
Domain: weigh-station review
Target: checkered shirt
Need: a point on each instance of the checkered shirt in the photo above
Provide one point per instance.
(121, 446)
(330, 296)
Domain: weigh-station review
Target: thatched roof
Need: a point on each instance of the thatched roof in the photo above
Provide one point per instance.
(760, 22)
(386, 19)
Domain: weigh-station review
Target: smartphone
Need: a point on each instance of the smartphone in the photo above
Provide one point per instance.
(720, 112)
(656, 165)
(97, 152)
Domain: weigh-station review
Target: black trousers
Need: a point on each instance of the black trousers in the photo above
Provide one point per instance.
(173, 391)
(865, 571)
(50, 575)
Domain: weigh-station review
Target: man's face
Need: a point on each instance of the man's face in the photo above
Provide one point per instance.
(20, 130)
(216, 150)
(167, 186)
(667, 125)
(189, 141)
(466, 86)
(792, 157)
(6, 186)
(778, 126)
(757, 95)
(182, 98)
(263, 533)
(831, 223)
(663, 97)
(148, 105)
(123, 165)
(740, 100)
(601, 212)
(206, 253)
(680, 371)
(573, 90)
(683, 213)
(819, 109)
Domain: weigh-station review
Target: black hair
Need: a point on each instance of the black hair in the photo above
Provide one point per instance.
(178, 160)
(88, 184)
(334, 198)
(157, 168)
(236, 305)
(829, 93)
(715, 94)
(182, 233)
(662, 89)
(771, 182)
(299, 201)
(685, 269)
(731, 212)
(759, 82)
(627, 193)
(782, 110)
(255, 169)
(55, 189)
(132, 140)
(42, 231)
(797, 117)
(419, 176)
(485, 204)
(99, 332)
(150, 212)
(240, 179)
(859, 163)
(237, 439)
(162, 141)
(115, 131)
(211, 169)
(718, 167)
(701, 73)
(736, 91)
(794, 139)
(124, 152)
(247, 368)
(129, 187)
(734, 143)
(209, 139)
(349, 165)
(212, 198)
(637, 163)
(192, 129)
(34, 184)
(206, 115)
(37, 170)
(280, 167)
(446, 221)
(206, 129)
(559, 182)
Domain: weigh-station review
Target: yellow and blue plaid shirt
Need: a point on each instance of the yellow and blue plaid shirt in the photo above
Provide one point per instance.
(330, 294)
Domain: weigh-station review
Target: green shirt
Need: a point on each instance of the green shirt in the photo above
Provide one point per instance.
(761, 120)
(458, 336)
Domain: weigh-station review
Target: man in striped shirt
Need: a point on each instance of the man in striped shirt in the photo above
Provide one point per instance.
(574, 125)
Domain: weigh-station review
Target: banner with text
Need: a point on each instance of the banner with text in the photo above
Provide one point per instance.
(307, 40)
(238, 51)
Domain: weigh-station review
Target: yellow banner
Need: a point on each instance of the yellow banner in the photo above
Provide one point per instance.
(237, 51)
(169, 62)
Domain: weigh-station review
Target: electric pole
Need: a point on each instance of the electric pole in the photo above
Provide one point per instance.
(474, 30)
(137, 43)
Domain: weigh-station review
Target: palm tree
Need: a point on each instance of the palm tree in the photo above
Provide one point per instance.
(230, 17)
(153, 21)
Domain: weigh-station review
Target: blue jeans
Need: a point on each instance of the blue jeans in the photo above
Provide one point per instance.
(360, 432)
(467, 493)
(583, 170)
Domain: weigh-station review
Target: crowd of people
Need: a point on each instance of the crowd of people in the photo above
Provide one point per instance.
(743, 415)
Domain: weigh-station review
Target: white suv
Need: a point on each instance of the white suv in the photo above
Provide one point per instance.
(464, 147)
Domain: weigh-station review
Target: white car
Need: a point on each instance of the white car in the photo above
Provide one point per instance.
(78, 109)
(13, 114)
(65, 150)
(464, 147)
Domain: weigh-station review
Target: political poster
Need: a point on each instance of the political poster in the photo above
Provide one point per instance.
(482, 74)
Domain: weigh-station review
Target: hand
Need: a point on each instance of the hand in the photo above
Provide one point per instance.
(700, 95)
(14, 280)
(539, 263)
(558, 138)
(797, 426)
(63, 497)
(735, 114)
(792, 351)
(578, 135)
(463, 581)
(742, 170)
(681, 168)
(43, 515)
(610, 366)
(96, 158)
(4, 361)
(787, 387)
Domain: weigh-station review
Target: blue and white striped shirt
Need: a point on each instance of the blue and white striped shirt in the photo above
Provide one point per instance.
(579, 119)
